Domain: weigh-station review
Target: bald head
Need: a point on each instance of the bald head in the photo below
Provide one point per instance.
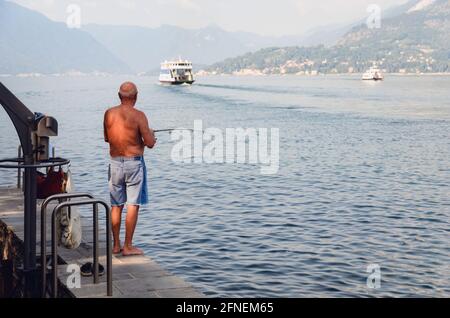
(128, 92)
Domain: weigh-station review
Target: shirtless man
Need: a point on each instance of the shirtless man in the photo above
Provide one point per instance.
(127, 131)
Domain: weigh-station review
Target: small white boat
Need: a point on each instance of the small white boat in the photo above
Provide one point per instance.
(176, 72)
(373, 74)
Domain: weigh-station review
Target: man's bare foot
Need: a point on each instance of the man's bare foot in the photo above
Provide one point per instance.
(117, 249)
(130, 251)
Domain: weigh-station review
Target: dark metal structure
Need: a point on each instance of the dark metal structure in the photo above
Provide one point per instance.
(34, 130)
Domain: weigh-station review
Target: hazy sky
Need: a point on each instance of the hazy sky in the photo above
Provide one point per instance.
(269, 17)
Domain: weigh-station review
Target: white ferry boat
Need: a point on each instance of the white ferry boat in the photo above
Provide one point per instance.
(176, 72)
(373, 74)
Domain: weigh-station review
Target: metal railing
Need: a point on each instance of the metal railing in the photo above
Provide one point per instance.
(45, 203)
(56, 211)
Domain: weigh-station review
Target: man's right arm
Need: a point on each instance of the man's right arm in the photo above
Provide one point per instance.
(148, 135)
(105, 133)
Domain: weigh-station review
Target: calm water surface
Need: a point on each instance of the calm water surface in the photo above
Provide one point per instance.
(364, 179)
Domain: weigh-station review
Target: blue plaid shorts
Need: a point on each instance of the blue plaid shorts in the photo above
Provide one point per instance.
(127, 178)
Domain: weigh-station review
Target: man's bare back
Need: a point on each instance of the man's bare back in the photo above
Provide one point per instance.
(127, 131)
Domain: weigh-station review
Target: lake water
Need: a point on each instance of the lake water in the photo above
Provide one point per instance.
(364, 179)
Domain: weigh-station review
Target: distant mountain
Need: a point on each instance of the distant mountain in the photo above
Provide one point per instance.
(414, 37)
(327, 35)
(31, 43)
(145, 48)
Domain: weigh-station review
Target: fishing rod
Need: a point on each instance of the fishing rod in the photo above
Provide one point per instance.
(167, 130)
(173, 129)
